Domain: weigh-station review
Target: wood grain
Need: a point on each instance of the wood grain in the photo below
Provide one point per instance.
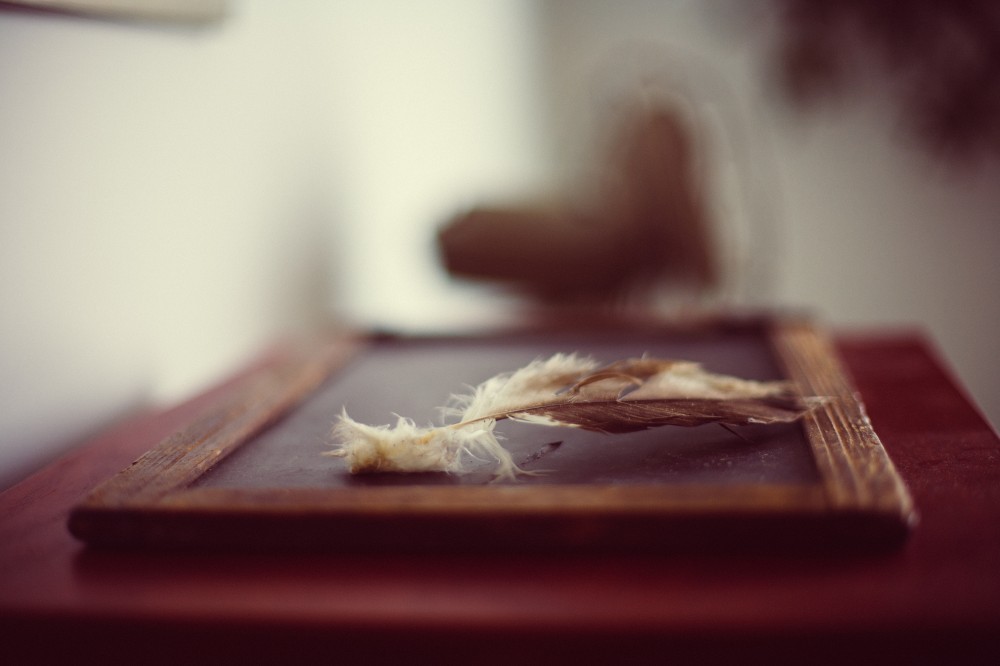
(856, 470)
(153, 503)
(183, 457)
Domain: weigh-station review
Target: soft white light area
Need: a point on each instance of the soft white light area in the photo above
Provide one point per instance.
(439, 113)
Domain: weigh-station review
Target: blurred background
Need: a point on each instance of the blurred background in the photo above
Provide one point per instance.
(174, 195)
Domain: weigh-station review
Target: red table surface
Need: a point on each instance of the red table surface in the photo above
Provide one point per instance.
(935, 598)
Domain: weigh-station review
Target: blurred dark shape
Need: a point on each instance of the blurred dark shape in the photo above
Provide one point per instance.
(940, 59)
(647, 227)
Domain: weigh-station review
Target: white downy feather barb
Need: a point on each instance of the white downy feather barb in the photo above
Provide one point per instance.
(567, 390)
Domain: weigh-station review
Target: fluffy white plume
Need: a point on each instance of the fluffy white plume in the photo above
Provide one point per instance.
(408, 448)
(535, 383)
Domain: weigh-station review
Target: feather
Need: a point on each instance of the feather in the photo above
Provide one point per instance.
(572, 391)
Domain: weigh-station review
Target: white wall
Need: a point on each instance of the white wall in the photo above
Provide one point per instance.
(439, 110)
(171, 197)
(157, 181)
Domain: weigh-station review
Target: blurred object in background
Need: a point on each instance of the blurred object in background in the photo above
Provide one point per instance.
(938, 61)
(181, 11)
(648, 226)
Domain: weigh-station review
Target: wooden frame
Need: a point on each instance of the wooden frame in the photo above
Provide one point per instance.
(858, 498)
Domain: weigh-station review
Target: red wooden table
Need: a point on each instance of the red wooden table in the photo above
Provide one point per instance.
(936, 598)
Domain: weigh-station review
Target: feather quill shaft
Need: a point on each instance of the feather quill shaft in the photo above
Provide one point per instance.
(572, 391)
